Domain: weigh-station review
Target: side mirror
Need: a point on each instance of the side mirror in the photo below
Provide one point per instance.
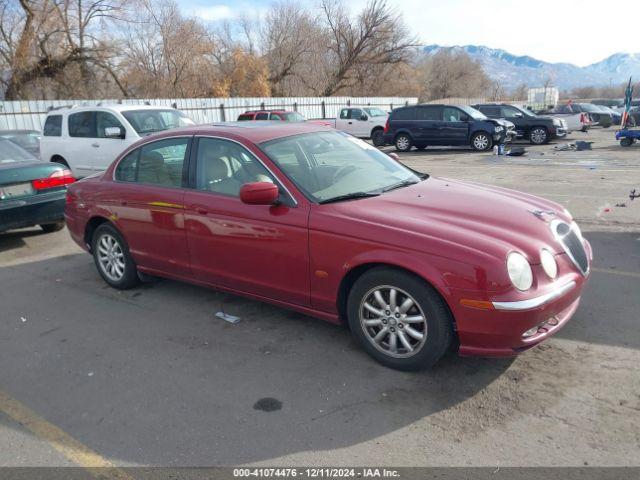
(259, 193)
(114, 132)
(394, 155)
(465, 118)
(363, 117)
(518, 115)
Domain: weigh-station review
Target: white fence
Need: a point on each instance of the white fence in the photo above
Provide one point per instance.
(31, 114)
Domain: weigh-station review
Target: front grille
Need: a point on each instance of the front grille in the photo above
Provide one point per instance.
(572, 244)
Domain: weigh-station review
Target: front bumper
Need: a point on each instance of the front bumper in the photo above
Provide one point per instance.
(36, 210)
(508, 326)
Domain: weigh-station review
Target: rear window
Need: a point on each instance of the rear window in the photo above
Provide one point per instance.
(53, 126)
(404, 114)
(245, 117)
(127, 169)
(82, 124)
(11, 153)
(262, 116)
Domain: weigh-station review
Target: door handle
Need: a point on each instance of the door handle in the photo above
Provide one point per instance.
(95, 145)
(201, 210)
(350, 123)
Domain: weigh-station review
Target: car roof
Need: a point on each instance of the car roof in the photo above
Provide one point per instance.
(256, 132)
(275, 110)
(107, 106)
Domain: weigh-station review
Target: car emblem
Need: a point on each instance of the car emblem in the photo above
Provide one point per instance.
(541, 213)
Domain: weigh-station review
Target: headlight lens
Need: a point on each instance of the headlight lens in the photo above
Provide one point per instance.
(557, 122)
(549, 264)
(499, 128)
(519, 271)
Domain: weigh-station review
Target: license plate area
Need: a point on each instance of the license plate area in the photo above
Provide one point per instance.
(8, 192)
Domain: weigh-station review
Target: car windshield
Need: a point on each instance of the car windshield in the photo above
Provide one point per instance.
(329, 165)
(292, 117)
(587, 107)
(525, 111)
(149, 121)
(472, 112)
(375, 112)
(11, 153)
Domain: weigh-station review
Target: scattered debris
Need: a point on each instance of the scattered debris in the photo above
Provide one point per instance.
(582, 145)
(565, 147)
(90, 374)
(516, 151)
(268, 404)
(621, 204)
(228, 318)
(633, 194)
(23, 319)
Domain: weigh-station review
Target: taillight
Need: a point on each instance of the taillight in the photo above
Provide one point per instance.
(386, 126)
(59, 178)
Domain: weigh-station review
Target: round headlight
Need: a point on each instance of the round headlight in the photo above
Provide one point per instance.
(549, 264)
(499, 128)
(519, 271)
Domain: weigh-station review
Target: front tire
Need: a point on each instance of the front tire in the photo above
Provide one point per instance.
(52, 227)
(112, 258)
(481, 142)
(539, 136)
(403, 142)
(399, 319)
(626, 142)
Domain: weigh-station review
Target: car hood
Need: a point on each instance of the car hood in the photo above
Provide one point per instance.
(490, 220)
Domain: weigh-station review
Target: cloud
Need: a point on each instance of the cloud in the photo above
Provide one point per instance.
(214, 13)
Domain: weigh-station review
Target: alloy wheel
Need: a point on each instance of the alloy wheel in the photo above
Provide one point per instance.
(111, 257)
(481, 142)
(393, 321)
(402, 143)
(538, 136)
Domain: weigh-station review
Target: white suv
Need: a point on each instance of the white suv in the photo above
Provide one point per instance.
(364, 122)
(88, 139)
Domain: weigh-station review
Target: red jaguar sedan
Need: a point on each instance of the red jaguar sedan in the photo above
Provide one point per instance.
(323, 223)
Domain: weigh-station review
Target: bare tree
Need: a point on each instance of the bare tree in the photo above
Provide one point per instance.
(377, 36)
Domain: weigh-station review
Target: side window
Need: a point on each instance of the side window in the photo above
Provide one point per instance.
(127, 169)
(52, 126)
(404, 114)
(451, 114)
(509, 112)
(428, 113)
(82, 124)
(244, 117)
(105, 120)
(161, 162)
(492, 112)
(262, 116)
(224, 166)
(356, 114)
(275, 116)
(344, 113)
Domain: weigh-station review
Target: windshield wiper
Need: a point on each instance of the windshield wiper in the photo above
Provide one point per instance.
(349, 196)
(404, 183)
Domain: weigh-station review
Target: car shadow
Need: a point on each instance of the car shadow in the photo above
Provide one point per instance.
(15, 238)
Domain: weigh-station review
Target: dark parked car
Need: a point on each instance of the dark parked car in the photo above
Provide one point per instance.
(455, 125)
(27, 139)
(598, 116)
(538, 129)
(32, 192)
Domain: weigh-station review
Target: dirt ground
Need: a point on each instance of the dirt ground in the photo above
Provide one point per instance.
(151, 377)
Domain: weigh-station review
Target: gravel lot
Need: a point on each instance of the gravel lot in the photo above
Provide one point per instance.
(151, 377)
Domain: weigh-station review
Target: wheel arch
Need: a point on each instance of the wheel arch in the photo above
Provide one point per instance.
(353, 274)
(91, 226)
(375, 129)
(401, 132)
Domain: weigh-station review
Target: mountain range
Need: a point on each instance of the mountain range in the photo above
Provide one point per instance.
(513, 70)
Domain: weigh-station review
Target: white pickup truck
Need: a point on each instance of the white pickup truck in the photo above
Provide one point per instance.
(363, 122)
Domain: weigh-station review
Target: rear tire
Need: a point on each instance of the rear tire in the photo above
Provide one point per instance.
(52, 227)
(410, 331)
(481, 142)
(403, 142)
(112, 258)
(377, 138)
(626, 142)
(538, 136)
(60, 160)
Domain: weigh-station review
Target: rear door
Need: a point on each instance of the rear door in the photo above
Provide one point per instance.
(148, 204)
(429, 124)
(81, 149)
(455, 126)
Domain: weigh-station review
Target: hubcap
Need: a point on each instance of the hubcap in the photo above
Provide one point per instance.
(402, 143)
(393, 321)
(481, 142)
(110, 257)
(538, 135)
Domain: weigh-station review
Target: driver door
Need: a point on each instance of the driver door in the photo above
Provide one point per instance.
(257, 249)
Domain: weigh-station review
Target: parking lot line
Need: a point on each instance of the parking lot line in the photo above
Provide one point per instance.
(616, 272)
(61, 441)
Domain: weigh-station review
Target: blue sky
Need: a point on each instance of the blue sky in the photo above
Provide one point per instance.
(573, 31)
